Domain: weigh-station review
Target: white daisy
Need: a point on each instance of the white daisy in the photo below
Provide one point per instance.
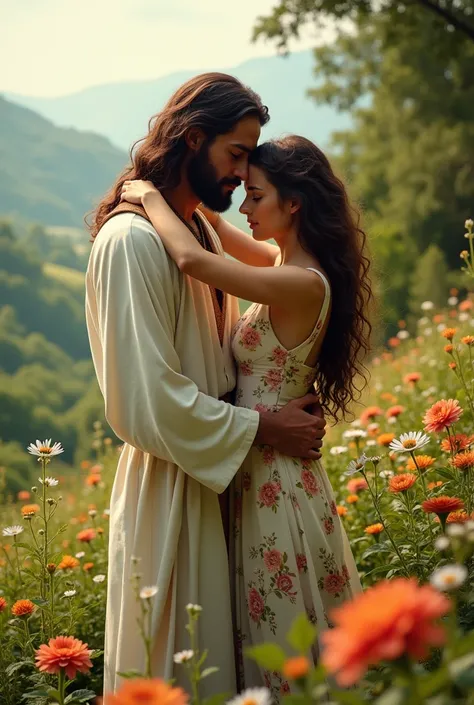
(403, 334)
(70, 593)
(386, 474)
(92, 512)
(455, 530)
(13, 530)
(193, 609)
(44, 449)
(424, 321)
(413, 440)
(183, 656)
(352, 433)
(449, 577)
(81, 554)
(146, 593)
(463, 316)
(49, 481)
(357, 465)
(427, 306)
(442, 543)
(453, 300)
(469, 223)
(252, 696)
(371, 443)
(338, 450)
(99, 578)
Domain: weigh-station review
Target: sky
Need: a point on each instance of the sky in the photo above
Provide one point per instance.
(57, 47)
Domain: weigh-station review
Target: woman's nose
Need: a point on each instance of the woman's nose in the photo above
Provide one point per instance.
(244, 209)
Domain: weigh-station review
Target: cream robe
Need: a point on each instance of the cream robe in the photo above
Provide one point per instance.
(161, 369)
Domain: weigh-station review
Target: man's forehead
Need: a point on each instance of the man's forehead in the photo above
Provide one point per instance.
(246, 133)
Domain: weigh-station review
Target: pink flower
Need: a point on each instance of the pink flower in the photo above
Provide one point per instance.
(250, 338)
(283, 582)
(310, 483)
(268, 455)
(301, 562)
(273, 379)
(268, 493)
(246, 368)
(256, 604)
(334, 583)
(279, 356)
(247, 481)
(272, 560)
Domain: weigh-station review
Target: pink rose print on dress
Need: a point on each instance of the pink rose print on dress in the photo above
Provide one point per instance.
(256, 604)
(247, 481)
(309, 379)
(250, 338)
(261, 407)
(279, 356)
(246, 368)
(273, 379)
(238, 507)
(285, 688)
(328, 525)
(268, 455)
(284, 583)
(272, 560)
(301, 563)
(267, 679)
(268, 494)
(345, 573)
(310, 484)
(333, 508)
(334, 583)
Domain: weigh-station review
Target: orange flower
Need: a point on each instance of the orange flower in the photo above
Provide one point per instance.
(394, 618)
(468, 340)
(401, 483)
(394, 342)
(460, 441)
(24, 495)
(3, 604)
(51, 568)
(85, 464)
(30, 509)
(388, 396)
(465, 305)
(385, 439)
(438, 318)
(448, 349)
(423, 461)
(442, 415)
(68, 562)
(96, 469)
(86, 535)
(464, 460)
(374, 529)
(352, 498)
(64, 652)
(394, 411)
(433, 485)
(342, 511)
(22, 608)
(442, 505)
(356, 484)
(296, 667)
(93, 480)
(87, 566)
(152, 691)
(457, 517)
(412, 378)
(449, 333)
(452, 365)
(370, 413)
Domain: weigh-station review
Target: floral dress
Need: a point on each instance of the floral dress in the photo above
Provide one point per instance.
(289, 550)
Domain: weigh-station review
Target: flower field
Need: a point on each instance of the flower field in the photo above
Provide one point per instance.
(403, 474)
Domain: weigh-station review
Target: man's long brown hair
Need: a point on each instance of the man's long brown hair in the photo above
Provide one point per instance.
(213, 102)
(329, 229)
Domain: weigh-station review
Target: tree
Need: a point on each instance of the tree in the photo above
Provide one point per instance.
(429, 280)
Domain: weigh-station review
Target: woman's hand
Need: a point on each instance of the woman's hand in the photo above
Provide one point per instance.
(135, 191)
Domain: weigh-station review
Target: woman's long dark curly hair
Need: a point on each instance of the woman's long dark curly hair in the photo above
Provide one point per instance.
(329, 229)
(214, 102)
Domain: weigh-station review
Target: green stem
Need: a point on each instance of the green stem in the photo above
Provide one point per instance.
(61, 686)
(423, 481)
(17, 561)
(195, 670)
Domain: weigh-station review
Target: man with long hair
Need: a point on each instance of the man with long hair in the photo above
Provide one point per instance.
(160, 344)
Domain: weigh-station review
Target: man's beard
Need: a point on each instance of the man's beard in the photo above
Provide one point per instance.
(206, 186)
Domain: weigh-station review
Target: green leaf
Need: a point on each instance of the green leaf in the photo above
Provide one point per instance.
(209, 671)
(218, 699)
(302, 634)
(462, 671)
(394, 696)
(294, 699)
(13, 667)
(79, 696)
(40, 602)
(133, 673)
(269, 656)
(53, 693)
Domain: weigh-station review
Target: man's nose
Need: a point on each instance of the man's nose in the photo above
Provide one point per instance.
(242, 171)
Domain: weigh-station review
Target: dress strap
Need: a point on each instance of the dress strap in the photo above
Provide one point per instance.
(324, 307)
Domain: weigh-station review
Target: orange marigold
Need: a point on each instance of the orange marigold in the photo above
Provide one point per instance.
(394, 411)
(388, 396)
(452, 365)
(434, 485)
(442, 415)
(85, 464)
(448, 348)
(465, 305)
(87, 566)
(401, 483)
(3, 604)
(24, 495)
(342, 511)
(86, 535)
(423, 461)
(370, 413)
(449, 333)
(352, 498)
(30, 509)
(464, 460)
(457, 517)
(152, 691)
(68, 562)
(468, 340)
(356, 484)
(93, 480)
(374, 529)
(296, 667)
(394, 342)
(442, 505)
(385, 439)
(22, 608)
(64, 652)
(412, 378)
(394, 618)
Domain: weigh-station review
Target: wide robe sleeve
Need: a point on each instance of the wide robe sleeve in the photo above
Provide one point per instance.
(149, 403)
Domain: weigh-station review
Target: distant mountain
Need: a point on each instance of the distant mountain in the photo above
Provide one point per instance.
(51, 174)
(121, 111)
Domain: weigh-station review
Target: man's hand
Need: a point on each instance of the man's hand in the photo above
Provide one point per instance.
(292, 430)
